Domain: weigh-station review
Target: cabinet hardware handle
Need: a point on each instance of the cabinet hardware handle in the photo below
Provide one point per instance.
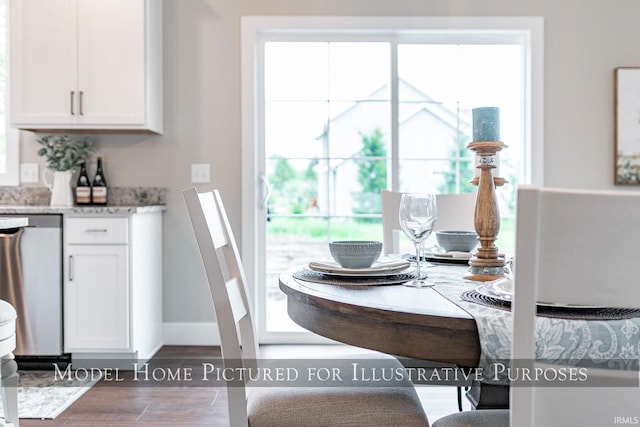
(96, 230)
(71, 268)
(81, 97)
(72, 96)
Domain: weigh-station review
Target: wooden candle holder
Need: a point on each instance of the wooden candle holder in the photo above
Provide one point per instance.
(487, 264)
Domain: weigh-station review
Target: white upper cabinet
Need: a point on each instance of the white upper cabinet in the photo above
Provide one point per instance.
(86, 65)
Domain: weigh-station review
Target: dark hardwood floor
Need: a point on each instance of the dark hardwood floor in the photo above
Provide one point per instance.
(127, 404)
(130, 403)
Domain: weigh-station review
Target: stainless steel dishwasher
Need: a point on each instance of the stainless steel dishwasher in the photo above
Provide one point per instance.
(31, 280)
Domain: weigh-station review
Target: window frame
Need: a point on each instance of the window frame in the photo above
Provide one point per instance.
(256, 30)
(12, 138)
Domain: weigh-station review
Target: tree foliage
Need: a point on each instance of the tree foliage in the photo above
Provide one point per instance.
(293, 191)
(372, 172)
(463, 158)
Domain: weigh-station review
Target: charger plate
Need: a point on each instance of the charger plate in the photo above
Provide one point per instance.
(492, 291)
(316, 277)
(545, 310)
(441, 258)
(445, 260)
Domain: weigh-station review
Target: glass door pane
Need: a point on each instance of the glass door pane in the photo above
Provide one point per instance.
(327, 121)
(327, 142)
(439, 85)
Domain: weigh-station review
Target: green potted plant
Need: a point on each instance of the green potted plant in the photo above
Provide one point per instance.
(63, 156)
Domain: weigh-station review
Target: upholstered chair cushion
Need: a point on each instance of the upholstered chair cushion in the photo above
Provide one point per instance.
(479, 418)
(334, 406)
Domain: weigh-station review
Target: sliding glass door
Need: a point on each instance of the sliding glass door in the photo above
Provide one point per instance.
(337, 116)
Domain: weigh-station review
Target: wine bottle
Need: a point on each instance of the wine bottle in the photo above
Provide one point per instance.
(83, 188)
(99, 186)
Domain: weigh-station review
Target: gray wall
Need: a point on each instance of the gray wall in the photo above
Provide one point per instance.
(584, 41)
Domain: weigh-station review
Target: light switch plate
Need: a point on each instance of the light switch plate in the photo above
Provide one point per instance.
(200, 173)
(29, 172)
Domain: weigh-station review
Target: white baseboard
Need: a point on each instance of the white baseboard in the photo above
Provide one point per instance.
(190, 334)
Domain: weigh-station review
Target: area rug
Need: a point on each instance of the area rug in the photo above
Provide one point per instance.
(43, 396)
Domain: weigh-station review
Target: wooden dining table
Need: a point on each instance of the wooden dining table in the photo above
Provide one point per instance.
(418, 323)
(415, 323)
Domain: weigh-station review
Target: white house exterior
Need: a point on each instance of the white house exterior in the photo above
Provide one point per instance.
(428, 130)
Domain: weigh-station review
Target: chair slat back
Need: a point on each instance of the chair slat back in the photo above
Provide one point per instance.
(238, 307)
(455, 212)
(573, 247)
(228, 288)
(213, 220)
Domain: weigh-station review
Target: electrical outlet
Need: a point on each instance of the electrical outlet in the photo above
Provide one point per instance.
(200, 173)
(29, 172)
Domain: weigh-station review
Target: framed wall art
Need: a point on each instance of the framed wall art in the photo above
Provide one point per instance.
(627, 125)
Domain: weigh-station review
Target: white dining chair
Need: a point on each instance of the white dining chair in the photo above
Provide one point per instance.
(279, 406)
(8, 366)
(455, 212)
(573, 247)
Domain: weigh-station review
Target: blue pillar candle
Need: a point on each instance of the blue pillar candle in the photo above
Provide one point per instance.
(486, 124)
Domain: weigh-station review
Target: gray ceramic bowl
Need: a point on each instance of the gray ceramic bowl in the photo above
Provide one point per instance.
(355, 253)
(454, 240)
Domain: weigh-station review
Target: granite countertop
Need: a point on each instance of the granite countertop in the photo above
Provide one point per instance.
(13, 222)
(122, 200)
(45, 209)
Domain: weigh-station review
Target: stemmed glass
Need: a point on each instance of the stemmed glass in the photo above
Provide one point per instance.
(418, 215)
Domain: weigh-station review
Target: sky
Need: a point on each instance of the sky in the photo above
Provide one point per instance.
(302, 77)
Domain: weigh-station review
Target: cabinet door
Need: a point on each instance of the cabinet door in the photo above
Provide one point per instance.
(43, 61)
(96, 300)
(111, 61)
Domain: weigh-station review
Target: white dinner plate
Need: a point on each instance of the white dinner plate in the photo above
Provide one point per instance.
(489, 290)
(448, 255)
(502, 287)
(379, 269)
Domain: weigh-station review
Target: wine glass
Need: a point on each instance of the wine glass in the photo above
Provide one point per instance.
(418, 215)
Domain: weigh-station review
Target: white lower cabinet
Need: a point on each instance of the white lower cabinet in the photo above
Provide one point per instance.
(97, 298)
(113, 285)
